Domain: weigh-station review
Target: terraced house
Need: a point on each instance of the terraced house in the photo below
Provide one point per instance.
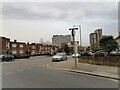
(4, 45)
(15, 47)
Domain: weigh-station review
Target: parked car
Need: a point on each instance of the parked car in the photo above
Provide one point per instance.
(77, 55)
(115, 53)
(33, 54)
(91, 53)
(101, 53)
(59, 57)
(7, 57)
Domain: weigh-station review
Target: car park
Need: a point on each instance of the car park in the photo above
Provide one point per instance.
(59, 57)
(7, 57)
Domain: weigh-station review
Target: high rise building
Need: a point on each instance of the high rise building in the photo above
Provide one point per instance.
(57, 40)
(94, 38)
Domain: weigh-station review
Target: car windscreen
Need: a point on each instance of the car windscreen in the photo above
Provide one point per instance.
(59, 54)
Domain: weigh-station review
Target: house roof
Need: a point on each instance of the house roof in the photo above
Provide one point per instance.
(118, 37)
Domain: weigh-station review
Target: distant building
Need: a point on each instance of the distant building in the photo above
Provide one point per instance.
(57, 40)
(4, 45)
(94, 38)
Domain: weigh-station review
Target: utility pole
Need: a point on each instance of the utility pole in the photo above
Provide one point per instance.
(73, 35)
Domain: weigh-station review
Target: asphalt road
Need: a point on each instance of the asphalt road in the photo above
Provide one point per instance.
(31, 73)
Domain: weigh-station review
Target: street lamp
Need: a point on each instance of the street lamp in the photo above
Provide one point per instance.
(80, 35)
(73, 35)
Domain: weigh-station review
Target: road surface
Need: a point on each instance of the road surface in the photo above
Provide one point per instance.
(31, 73)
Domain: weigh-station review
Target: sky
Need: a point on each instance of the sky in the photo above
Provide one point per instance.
(31, 21)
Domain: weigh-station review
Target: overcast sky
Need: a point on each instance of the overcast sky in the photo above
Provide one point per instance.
(31, 21)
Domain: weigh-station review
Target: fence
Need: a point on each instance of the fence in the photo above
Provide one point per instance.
(101, 60)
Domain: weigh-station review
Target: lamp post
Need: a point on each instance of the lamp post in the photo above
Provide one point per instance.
(73, 35)
(80, 36)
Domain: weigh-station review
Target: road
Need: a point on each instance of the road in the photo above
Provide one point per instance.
(31, 73)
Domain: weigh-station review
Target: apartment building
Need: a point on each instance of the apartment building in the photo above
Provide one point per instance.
(57, 40)
(4, 45)
(17, 47)
(94, 38)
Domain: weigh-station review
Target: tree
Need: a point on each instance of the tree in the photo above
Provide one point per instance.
(88, 48)
(108, 43)
(65, 48)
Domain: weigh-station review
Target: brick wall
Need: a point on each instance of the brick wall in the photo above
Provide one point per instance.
(4, 45)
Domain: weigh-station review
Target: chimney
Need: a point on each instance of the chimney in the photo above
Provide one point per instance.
(28, 43)
(15, 40)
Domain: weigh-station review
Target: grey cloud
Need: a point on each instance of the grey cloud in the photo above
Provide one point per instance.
(67, 10)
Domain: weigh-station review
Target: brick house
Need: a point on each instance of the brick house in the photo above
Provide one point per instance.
(47, 49)
(118, 41)
(40, 48)
(28, 48)
(17, 47)
(4, 45)
(14, 47)
(33, 48)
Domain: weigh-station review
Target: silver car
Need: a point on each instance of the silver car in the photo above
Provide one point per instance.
(59, 57)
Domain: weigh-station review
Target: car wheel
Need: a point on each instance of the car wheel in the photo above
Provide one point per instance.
(61, 59)
(66, 58)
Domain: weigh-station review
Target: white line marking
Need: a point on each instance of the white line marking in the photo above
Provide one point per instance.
(9, 73)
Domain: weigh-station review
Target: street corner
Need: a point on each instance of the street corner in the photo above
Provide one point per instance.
(59, 65)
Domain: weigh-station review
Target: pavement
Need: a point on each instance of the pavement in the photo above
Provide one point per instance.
(89, 69)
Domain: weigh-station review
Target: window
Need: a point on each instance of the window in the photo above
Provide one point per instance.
(21, 45)
(14, 52)
(33, 47)
(14, 45)
(7, 45)
(21, 51)
(33, 51)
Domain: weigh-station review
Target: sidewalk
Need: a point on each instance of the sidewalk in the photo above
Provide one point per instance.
(95, 70)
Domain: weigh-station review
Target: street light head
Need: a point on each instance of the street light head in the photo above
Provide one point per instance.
(73, 28)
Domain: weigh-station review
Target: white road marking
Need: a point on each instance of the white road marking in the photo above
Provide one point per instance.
(9, 73)
(8, 62)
